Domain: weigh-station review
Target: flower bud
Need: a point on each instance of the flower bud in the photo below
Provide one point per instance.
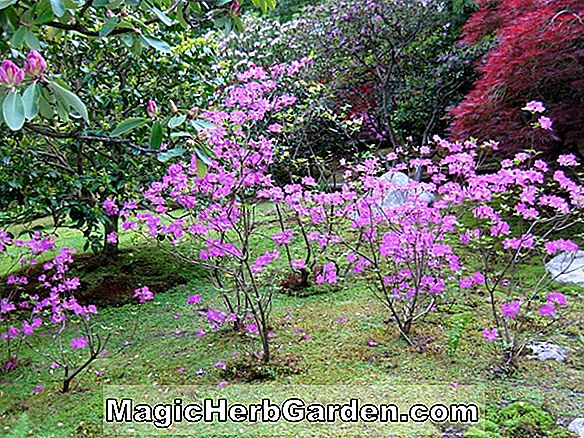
(151, 108)
(173, 107)
(10, 74)
(35, 64)
(235, 8)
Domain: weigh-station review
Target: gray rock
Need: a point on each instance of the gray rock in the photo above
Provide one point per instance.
(567, 267)
(548, 351)
(400, 194)
(577, 427)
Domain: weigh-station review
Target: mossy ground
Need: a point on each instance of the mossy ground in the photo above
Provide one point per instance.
(336, 353)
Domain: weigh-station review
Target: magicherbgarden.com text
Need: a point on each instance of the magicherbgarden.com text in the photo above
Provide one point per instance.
(292, 410)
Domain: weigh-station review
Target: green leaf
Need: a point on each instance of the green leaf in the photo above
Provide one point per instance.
(32, 41)
(162, 16)
(69, 99)
(13, 111)
(108, 26)
(156, 136)
(176, 121)
(30, 99)
(128, 125)
(156, 43)
(58, 7)
(201, 125)
(5, 3)
(201, 168)
(172, 153)
(180, 134)
(203, 156)
(18, 37)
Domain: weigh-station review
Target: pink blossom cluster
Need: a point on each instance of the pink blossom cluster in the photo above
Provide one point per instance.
(11, 75)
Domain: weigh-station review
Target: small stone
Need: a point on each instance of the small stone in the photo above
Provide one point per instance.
(567, 267)
(394, 197)
(548, 351)
(577, 427)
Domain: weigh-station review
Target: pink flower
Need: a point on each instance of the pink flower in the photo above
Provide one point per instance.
(10, 74)
(328, 275)
(283, 238)
(510, 309)
(37, 389)
(557, 298)
(220, 364)
(35, 64)
(298, 264)
(181, 370)
(534, 106)
(567, 160)
(194, 299)
(545, 123)
(79, 343)
(110, 206)
(554, 246)
(341, 320)
(275, 128)
(151, 108)
(223, 383)
(547, 310)
(372, 343)
(54, 366)
(143, 294)
(490, 335)
(112, 238)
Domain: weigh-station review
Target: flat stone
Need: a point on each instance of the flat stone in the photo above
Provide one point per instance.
(548, 351)
(400, 194)
(577, 427)
(567, 267)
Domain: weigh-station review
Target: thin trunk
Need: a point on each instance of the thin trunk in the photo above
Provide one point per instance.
(110, 249)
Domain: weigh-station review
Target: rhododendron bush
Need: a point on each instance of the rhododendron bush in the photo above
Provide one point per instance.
(41, 296)
(218, 200)
(414, 255)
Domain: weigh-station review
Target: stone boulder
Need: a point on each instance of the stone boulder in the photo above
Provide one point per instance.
(400, 193)
(567, 267)
(548, 351)
(577, 427)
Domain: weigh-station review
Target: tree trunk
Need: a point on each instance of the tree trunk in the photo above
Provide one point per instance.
(110, 249)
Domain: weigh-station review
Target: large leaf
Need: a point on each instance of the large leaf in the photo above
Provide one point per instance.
(156, 43)
(163, 17)
(13, 111)
(128, 125)
(30, 99)
(6, 3)
(176, 121)
(58, 7)
(172, 153)
(201, 125)
(108, 26)
(156, 136)
(69, 99)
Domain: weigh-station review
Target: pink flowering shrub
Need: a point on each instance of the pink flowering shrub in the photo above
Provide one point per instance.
(41, 297)
(217, 198)
(416, 253)
(402, 252)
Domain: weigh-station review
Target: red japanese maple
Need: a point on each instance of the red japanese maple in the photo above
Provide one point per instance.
(538, 54)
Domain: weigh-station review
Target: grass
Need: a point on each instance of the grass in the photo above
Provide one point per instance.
(337, 354)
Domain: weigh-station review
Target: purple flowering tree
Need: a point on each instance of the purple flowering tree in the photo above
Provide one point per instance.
(40, 296)
(207, 207)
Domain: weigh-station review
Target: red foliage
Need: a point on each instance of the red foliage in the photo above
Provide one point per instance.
(538, 55)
